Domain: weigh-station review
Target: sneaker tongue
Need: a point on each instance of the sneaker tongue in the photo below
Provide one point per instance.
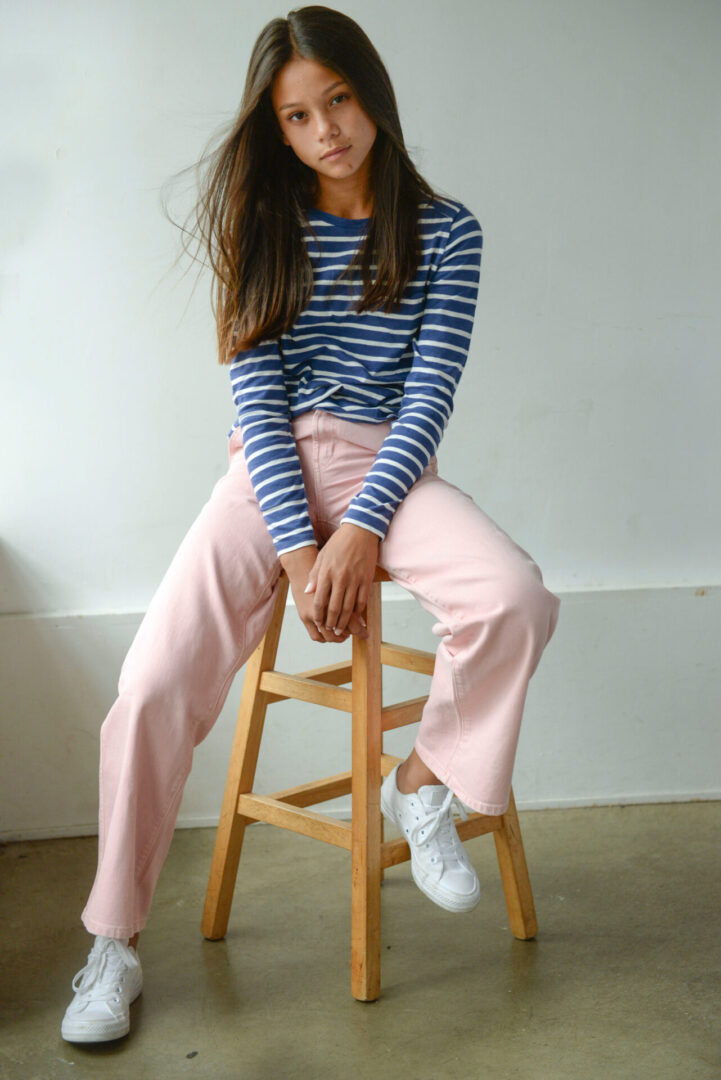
(432, 795)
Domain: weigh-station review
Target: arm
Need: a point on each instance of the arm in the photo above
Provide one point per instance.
(275, 472)
(261, 398)
(440, 350)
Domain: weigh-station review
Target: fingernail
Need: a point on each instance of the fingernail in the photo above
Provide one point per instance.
(337, 632)
(363, 622)
(308, 587)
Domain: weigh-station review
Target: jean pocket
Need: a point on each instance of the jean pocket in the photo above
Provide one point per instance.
(363, 433)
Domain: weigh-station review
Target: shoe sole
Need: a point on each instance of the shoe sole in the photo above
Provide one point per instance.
(426, 887)
(87, 1034)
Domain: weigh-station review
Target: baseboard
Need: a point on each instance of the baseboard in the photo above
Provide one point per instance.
(343, 813)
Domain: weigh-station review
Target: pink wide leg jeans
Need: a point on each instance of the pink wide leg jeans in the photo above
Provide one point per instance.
(494, 618)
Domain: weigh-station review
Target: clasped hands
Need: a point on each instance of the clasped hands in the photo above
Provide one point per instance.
(330, 587)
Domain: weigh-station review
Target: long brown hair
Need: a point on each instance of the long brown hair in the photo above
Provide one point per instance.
(255, 192)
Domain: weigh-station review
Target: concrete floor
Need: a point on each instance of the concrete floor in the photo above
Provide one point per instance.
(622, 981)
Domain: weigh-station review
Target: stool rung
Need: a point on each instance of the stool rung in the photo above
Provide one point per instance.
(388, 762)
(410, 659)
(342, 672)
(316, 791)
(333, 674)
(307, 822)
(402, 713)
(394, 852)
(297, 686)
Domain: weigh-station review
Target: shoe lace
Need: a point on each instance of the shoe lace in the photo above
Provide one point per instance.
(104, 969)
(439, 821)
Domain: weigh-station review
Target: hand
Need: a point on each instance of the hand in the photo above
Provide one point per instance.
(298, 565)
(341, 577)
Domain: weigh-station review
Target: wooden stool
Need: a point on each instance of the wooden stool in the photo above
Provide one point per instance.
(363, 836)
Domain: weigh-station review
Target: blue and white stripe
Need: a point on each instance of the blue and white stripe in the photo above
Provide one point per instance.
(404, 366)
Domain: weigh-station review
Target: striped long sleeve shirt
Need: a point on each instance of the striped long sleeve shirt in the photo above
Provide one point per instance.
(404, 367)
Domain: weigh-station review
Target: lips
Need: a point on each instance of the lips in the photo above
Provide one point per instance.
(335, 153)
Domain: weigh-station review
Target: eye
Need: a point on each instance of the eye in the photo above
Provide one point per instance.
(343, 94)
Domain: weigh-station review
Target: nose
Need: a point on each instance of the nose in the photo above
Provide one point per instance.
(326, 128)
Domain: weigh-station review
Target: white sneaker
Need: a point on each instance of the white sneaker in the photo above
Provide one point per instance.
(104, 990)
(439, 864)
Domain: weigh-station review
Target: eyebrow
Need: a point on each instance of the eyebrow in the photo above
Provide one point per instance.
(294, 104)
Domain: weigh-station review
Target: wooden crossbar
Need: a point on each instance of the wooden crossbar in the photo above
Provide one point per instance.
(403, 713)
(397, 851)
(332, 674)
(398, 656)
(388, 763)
(308, 822)
(317, 791)
(401, 656)
(296, 686)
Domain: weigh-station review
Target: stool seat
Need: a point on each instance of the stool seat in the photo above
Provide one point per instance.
(363, 835)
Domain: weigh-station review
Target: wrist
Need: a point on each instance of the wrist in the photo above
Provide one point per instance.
(299, 562)
(365, 534)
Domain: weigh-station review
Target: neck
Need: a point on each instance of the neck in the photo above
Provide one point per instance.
(344, 209)
(349, 198)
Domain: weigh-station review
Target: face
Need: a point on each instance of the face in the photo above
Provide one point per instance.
(317, 111)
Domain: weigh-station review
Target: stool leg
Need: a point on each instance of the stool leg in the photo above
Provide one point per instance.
(366, 827)
(383, 837)
(241, 774)
(514, 874)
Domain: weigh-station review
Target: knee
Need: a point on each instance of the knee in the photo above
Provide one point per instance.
(145, 680)
(525, 598)
(166, 690)
(144, 741)
(149, 713)
(153, 690)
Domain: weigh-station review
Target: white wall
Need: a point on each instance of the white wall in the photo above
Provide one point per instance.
(585, 137)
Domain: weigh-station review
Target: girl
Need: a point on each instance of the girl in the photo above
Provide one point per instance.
(344, 293)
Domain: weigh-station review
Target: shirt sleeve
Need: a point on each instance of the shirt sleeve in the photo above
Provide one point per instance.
(260, 395)
(440, 349)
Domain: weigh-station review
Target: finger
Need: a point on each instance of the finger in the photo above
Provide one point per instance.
(347, 609)
(326, 634)
(322, 595)
(312, 576)
(356, 627)
(359, 613)
(314, 631)
(335, 607)
(361, 601)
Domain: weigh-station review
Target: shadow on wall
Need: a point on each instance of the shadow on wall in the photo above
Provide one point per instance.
(58, 679)
(23, 589)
